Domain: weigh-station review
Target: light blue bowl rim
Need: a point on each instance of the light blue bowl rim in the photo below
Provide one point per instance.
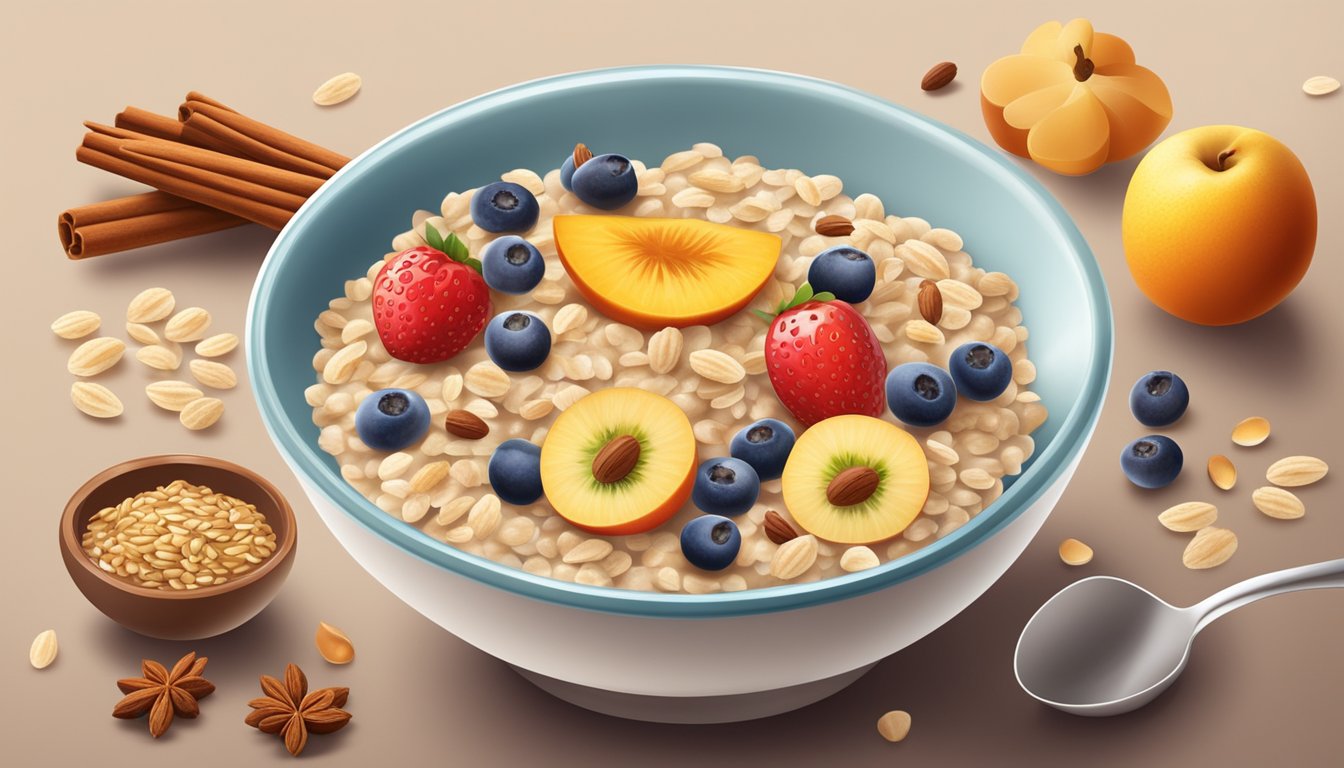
(1063, 449)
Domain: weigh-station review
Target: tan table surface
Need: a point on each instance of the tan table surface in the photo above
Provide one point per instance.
(1265, 684)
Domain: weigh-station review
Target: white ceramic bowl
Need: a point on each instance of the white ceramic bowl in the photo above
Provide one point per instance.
(640, 654)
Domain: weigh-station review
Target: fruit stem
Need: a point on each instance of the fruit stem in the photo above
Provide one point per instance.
(1082, 69)
(1222, 158)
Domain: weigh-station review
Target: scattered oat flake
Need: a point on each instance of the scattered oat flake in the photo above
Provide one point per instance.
(1222, 472)
(1320, 85)
(1251, 432)
(894, 725)
(1075, 552)
(43, 651)
(1209, 548)
(334, 645)
(337, 89)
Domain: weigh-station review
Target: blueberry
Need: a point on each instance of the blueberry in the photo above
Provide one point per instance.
(981, 371)
(725, 486)
(711, 542)
(765, 445)
(567, 172)
(391, 419)
(504, 207)
(1158, 398)
(515, 471)
(606, 182)
(920, 394)
(510, 264)
(846, 272)
(1152, 461)
(517, 341)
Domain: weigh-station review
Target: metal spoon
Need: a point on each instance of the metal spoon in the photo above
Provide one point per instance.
(1104, 646)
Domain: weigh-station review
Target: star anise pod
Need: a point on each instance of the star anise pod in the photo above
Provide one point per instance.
(289, 709)
(164, 693)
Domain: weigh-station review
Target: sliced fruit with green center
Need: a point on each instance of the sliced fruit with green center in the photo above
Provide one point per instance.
(654, 273)
(855, 479)
(598, 481)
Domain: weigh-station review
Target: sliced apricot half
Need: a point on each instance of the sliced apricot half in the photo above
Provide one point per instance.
(619, 461)
(855, 479)
(653, 273)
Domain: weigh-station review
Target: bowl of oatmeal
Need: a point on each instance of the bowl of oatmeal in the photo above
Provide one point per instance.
(638, 430)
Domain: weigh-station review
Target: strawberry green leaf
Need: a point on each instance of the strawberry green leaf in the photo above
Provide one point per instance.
(473, 263)
(455, 248)
(804, 294)
(823, 296)
(433, 238)
(766, 316)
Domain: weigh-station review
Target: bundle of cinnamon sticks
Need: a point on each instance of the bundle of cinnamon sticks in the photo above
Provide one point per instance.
(214, 168)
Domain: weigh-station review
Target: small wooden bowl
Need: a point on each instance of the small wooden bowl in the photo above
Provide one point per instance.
(173, 614)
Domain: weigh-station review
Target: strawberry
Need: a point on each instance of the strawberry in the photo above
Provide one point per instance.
(823, 359)
(429, 302)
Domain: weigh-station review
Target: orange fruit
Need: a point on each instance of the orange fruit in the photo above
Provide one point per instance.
(1219, 224)
(652, 273)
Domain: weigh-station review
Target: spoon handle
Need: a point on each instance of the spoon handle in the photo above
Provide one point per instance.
(1315, 576)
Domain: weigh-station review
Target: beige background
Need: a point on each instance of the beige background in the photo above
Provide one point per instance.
(1265, 684)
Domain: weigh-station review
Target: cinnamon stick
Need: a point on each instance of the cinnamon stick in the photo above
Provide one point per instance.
(148, 123)
(272, 178)
(257, 140)
(136, 221)
(104, 152)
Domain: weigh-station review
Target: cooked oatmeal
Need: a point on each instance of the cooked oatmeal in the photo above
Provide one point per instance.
(440, 484)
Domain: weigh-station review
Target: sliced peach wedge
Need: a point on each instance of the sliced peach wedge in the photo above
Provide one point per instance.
(619, 461)
(652, 273)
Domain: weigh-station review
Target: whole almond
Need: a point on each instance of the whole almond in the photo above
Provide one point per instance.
(159, 357)
(77, 324)
(1295, 471)
(150, 306)
(337, 89)
(201, 413)
(794, 557)
(466, 424)
(220, 344)
(1210, 547)
(834, 226)
(852, 486)
(333, 644)
(214, 375)
(187, 325)
(616, 459)
(43, 650)
(582, 154)
(930, 301)
(1189, 516)
(1278, 503)
(172, 395)
(939, 76)
(95, 356)
(777, 529)
(95, 400)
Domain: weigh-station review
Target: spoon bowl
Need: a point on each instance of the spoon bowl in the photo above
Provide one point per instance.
(1102, 646)
(1105, 646)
